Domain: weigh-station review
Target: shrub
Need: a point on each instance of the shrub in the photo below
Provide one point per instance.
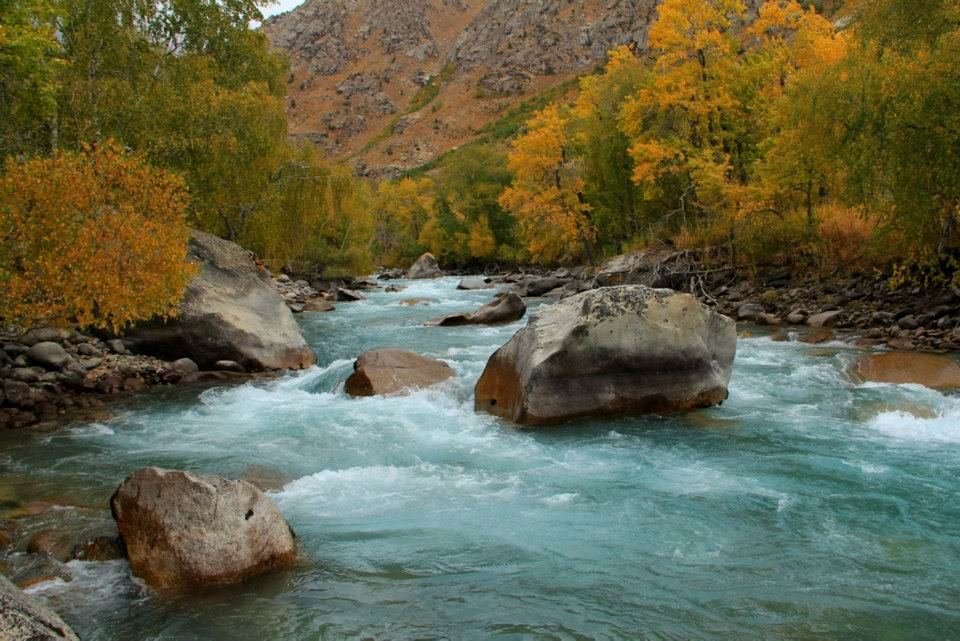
(96, 239)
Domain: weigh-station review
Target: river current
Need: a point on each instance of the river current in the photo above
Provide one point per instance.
(807, 507)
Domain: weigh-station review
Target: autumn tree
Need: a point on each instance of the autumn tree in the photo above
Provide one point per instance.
(886, 119)
(547, 194)
(618, 210)
(96, 239)
(401, 213)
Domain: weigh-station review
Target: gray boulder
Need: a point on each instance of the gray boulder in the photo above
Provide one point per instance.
(24, 618)
(48, 355)
(824, 319)
(506, 307)
(611, 351)
(231, 311)
(540, 286)
(425, 267)
(191, 530)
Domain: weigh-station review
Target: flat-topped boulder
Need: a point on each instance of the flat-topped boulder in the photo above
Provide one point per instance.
(506, 307)
(24, 618)
(611, 351)
(231, 312)
(387, 372)
(425, 267)
(184, 530)
(930, 370)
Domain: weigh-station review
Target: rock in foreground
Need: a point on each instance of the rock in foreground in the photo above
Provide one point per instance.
(392, 371)
(930, 370)
(23, 618)
(185, 530)
(425, 267)
(230, 312)
(611, 351)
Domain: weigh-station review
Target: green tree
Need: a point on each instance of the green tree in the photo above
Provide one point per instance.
(30, 61)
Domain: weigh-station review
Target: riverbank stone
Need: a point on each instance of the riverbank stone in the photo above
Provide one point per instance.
(231, 311)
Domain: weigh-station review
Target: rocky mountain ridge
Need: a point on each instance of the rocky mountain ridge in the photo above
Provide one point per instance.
(391, 84)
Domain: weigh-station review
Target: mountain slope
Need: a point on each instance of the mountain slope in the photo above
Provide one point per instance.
(390, 84)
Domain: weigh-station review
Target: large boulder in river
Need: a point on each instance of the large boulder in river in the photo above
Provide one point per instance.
(425, 267)
(23, 618)
(191, 530)
(506, 307)
(930, 370)
(386, 372)
(611, 351)
(230, 312)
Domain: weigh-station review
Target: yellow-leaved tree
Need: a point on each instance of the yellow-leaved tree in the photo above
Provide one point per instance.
(547, 191)
(95, 239)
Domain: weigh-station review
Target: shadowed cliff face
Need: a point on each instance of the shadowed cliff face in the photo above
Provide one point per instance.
(390, 84)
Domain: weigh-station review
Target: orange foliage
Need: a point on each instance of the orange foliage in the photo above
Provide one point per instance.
(547, 192)
(96, 239)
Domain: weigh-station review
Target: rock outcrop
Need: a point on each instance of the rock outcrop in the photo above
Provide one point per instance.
(231, 311)
(24, 618)
(611, 351)
(387, 372)
(506, 307)
(184, 530)
(431, 73)
(425, 267)
(930, 370)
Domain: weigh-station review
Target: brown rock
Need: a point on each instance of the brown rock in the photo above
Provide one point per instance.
(818, 336)
(318, 305)
(505, 308)
(930, 370)
(50, 543)
(190, 530)
(824, 319)
(393, 371)
(102, 548)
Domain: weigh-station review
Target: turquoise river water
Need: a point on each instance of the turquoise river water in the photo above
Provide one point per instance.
(807, 507)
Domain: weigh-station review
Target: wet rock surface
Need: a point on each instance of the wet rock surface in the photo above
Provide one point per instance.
(183, 530)
(611, 351)
(385, 372)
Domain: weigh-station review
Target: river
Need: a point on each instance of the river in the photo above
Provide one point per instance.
(807, 507)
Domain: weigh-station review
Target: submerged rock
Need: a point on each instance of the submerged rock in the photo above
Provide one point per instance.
(611, 351)
(475, 282)
(425, 267)
(506, 307)
(393, 371)
(231, 311)
(191, 530)
(23, 618)
(930, 370)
